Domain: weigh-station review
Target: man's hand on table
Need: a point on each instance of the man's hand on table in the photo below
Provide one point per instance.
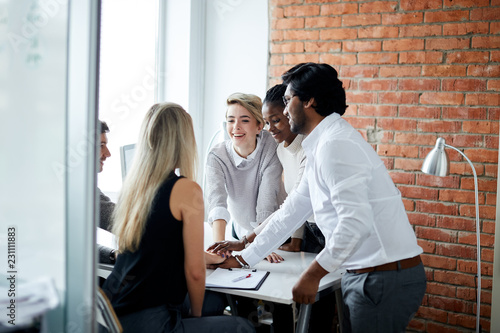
(274, 258)
(226, 247)
(228, 263)
(306, 288)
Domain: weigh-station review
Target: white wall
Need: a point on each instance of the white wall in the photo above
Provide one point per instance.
(236, 56)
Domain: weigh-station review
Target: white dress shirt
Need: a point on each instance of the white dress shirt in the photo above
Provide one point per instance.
(356, 205)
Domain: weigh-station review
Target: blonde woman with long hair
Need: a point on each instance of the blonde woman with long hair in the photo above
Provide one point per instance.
(159, 221)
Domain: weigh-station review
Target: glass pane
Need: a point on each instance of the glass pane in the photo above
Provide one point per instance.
(127, 77)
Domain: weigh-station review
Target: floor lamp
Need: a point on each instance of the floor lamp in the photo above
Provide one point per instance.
(436, 163)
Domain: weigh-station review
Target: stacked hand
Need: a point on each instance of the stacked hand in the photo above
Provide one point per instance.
(225, 249)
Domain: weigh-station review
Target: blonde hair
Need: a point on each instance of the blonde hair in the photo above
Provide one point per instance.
(250, 102)
(166, 142)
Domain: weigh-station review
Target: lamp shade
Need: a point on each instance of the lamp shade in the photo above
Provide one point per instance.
(436, 163)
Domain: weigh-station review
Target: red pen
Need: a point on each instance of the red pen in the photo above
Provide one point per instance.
(242, 277)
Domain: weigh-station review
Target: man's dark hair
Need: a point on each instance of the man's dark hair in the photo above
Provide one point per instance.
(308, 80)
(104, 127)
(274, 95)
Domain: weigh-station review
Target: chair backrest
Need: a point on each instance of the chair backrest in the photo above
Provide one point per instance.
(107, 314)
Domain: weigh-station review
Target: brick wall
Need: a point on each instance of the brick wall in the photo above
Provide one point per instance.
(415, 70)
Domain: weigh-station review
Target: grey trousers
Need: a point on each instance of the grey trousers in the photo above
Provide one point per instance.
(383, 301)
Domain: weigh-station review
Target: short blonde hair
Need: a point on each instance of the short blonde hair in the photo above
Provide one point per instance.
(250, 102)
(166, 142)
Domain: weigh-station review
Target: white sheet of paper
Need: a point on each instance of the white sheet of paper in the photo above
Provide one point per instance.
(235, 278)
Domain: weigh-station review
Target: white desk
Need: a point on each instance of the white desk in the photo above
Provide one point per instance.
(278, 285)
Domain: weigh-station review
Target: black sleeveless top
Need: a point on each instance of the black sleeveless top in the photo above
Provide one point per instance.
(154, 274)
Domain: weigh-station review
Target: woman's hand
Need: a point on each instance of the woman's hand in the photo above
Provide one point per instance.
(274, 258)
(293, 246)
(225, 247)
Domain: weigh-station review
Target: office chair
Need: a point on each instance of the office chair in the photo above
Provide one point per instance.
(106, 316)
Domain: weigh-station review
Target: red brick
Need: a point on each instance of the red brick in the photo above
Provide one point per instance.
(433, 327)
(467, 266)
(441, 98)
(487, 255)
(491, 170)
(402, 18)
(339, 9)
(495, 56)
(494, 27)
(462, 320)
(408, 204)
(293, 59)
(361, 20)
(464, 168)
(447, 43)
(468, 294)
(377, 110)
(419, 111)
(361, 46)
(491, 199)
(428, 247)
(419, 84)
(276, 60)
(301, 34)
(338, 34)
(449, 236)
(301, 10)
(458, 196)
(421, 31)
(277, 71)
(466, 3)
(398, 98)
(470, 238)
(456, 251)
(467, 57)
(400, 151)
(450, 304)
(494, 113)
(456, 223)
(362, 123)
(322, 46)
(492, 71)
(411, 138)
(487, 42)
(485, 14)
(432, 313)
(378, 7)
(488, 185)
(493, 85)
(378, 32)
(378, 58)
(446, 16)
(338, 59)
(485, 212)
(419, 192)
(407, 164)
(359, 72)
(464, 85)
(442, 182)
(378, 84)
(361, 97)
(276, 13)
(397, 124)
(400, 71)
(323, 22)
(437, 208)
(443, 263)
(464, 140)
(482, 155)
(422, 219)
(288, 23)
(403, 44)
(276, 35)
(409, 5)
(420, 57)
(444, 70)
(464, 112)
(292, 47)
(465, 28)
(485, 127)
(416, 325)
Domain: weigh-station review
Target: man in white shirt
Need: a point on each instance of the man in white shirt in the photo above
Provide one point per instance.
(356, 206)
